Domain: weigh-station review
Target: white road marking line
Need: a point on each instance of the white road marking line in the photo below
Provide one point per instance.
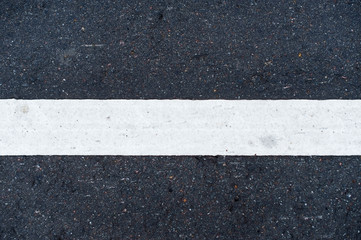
(180, 127)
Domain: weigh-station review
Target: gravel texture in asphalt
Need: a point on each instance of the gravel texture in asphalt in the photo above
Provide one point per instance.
(180, 198)
(180, 49)
(190, 50)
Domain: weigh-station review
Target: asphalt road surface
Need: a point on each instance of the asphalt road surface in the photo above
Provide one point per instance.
(188, 50)
(180, 49)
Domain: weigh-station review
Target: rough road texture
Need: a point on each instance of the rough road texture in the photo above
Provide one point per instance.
(191, 50)
(180, 198)
(180, 49)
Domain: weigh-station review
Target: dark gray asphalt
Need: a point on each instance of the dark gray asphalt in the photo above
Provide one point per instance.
(190, 50)
(180, 49)
(180, 198)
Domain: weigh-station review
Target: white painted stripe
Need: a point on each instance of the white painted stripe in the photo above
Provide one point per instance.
(180, 127)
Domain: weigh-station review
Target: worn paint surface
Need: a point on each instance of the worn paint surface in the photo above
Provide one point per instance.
(180, 127)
